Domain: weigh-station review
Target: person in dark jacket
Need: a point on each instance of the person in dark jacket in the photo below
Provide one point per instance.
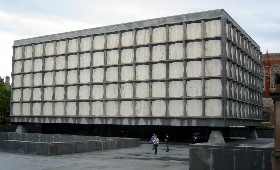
(167, 142)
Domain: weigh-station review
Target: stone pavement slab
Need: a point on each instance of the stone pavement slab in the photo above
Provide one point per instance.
(135, 158)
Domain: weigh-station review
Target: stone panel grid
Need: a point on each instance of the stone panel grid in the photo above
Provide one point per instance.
(188, 66)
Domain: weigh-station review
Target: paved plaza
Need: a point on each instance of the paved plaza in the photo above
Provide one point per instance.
(141, 157)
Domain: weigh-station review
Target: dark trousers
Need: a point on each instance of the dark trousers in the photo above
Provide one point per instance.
(156, 145)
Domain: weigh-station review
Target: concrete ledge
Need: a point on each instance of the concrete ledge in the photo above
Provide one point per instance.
(230, 156)
(50, 144)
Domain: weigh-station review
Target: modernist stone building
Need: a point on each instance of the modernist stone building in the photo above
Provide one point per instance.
(199, 69)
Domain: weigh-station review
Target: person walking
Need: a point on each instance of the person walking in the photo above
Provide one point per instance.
(152, 140)
(156, 142)
(167, 142)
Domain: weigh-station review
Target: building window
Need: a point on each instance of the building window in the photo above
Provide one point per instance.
(274, 69)
(263, 81)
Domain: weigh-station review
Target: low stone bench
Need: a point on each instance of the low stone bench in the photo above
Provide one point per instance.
(53, 144)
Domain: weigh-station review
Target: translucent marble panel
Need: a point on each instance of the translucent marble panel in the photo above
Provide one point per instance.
(85, 60)
(49, 63)
(16, 95)
(194, 50)
(194, 108)
(48, 78)
(176, 51)
(213, 87)
(113, 40)
(85, 76)
(37, 94)
(72, 77)
(213, 29)
(127, 73)
(194, 69)
(159, 71)
(97, 91)
(176, 108)
(142, 108)
(85, 44)
(176, 89)
(98, 42)
(71, 108)
(38, 65)
(111, 91)
(59, 108)
(98, 75)
(27, 65)
(142, 54)
(18, 53)
(213, 107)
(36, 109)
(37, 79)
(38, 50)
(111, 108)
(127, 39)
(59, 93)
(73, 61)
(142, 37)
(98, 58)
(126, 108)
(159, 53)
(126, 90)
(127, 56)
(194, 31)
(194, 88)
(61, 47)
(213, 48)
(48, 93)
(176, 70)
(213, 68)
(159, 35)
(26, 109)
(176, 33)
(112, 74)
(97, 108)
(27, 80)
(28, 51)
(49, 49)
(158, 89)
(60, 62)
(142, 72)
(16, 109)
(26, 94)
(73, 46)
(158, 108)
(142, 90)
(83, 108)
(17, 66)
(112, 57)
(60, 77)
(71, 92)
(84, 92)
(17, 80)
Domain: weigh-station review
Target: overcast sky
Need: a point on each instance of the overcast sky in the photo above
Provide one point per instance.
(31, 18)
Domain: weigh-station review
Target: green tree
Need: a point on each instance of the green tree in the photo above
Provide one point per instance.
(5, 95)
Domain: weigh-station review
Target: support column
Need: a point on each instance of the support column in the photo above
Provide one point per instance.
(275, 156)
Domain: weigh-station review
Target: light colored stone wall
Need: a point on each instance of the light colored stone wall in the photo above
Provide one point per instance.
(142, 108)
(159, 53)
(126, 90)
(176, 51)
(176, 108)
(142, 37)
(85, 44)
(176, 33)
(156, 65)
(127, 39)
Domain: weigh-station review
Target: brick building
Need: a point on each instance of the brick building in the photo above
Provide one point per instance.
(271, 65)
